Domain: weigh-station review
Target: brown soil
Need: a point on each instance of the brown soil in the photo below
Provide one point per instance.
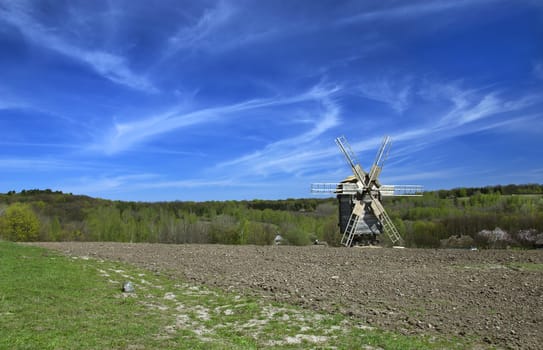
(493, 296)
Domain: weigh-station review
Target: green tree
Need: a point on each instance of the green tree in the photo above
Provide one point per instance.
(330, 232)
(19, 223)
(55, 229)
(104, 223)
(129, 226)
(244, 232)
(293, 234)
(425, 235)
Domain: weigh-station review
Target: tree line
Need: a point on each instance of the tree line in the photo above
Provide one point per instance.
(458, 217)
(441, 218)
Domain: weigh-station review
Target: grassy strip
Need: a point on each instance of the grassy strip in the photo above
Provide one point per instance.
(517, 266)
(535, 267)
(48, 301)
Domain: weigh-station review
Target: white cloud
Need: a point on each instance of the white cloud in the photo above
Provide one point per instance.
(128, 134)
(413, 9)
(188, 183)
(105, 183)
(109, 185)
(110, 66)
(397, 97)
(415, 175)
(461, 112)
(470, 106)
(291, 155)
(458, 111)
(39, 145)
(198, 34)
(226, 26)
(209, 23)
(41, 164)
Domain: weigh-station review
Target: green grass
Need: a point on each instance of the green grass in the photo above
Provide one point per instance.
(517, 266)
(48, 301)
(526, 266)
(52, 302)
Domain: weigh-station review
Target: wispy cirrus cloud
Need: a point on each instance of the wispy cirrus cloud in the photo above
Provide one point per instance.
(409, 11)
(41, 145)
(460, 112)
(211, 21)
(107, 183)
(466, 112)
(227, 25)
(383, 90)
(469, 106)
(456, 110)
(6, 104)
(414, 175)
(295, 154)
(41, 164)
(125, 135)
(469, 112)
(110, 66)
(111, 185)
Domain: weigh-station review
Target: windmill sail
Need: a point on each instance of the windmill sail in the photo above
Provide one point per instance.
(387, 223)
(358, 172)
(382, 154)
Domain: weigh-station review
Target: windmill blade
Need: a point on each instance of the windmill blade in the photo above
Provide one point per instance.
(332, 187)
(323, 188)
(382, 155)
(387, 223)
(401, 190)
(345, 148)
(352, 226)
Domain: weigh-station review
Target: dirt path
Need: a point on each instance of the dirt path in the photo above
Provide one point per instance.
(495, 296)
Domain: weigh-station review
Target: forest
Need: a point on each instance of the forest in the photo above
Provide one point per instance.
(485, 217)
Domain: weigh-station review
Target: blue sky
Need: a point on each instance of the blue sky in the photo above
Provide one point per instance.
(216, 100)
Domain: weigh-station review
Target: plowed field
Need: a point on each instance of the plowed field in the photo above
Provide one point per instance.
(493, 296)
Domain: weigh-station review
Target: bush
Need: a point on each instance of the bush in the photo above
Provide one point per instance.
(331, 233)
(496, 238)
(462, 241)
(19, 223)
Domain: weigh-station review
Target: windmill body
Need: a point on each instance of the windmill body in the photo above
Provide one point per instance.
(362, 217)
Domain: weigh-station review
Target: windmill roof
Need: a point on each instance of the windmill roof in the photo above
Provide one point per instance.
(351, 178)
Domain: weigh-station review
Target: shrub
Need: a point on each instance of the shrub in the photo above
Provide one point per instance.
(19, 223)
(462, 241)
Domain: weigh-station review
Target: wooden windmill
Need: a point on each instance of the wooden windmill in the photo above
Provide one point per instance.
(362, 217)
